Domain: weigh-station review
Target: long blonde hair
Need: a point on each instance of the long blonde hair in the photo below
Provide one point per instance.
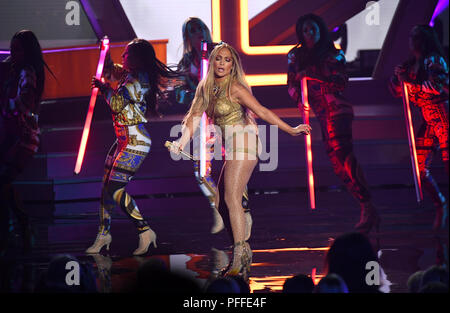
(202, 100)
(186, 32)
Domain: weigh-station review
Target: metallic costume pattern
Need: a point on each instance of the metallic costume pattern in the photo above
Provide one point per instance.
(129, 151)
(335, 115)
(426, 88)
(234, 124)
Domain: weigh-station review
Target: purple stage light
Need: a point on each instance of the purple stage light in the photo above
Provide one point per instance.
(87, 125)
(67, 49)
(441, 6)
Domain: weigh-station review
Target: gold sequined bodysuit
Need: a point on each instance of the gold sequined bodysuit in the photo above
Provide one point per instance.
(229, 113)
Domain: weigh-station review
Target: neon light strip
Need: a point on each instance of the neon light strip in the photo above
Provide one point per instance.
(215, 15)
(87, 123)
(204, 66)
(313, 276)
(267, 79)
(308, 147)
(278, 79)
(360, 79)
(441, 6)
(245, 34)
(68, 49)
(245, 42)
(412, 142)
(291, 250)
(203, 121)
(252, 80)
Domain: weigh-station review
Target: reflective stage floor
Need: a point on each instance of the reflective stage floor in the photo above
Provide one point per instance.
(287, 239)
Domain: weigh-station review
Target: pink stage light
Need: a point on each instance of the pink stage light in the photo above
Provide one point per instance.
(440, 7)
(309, 156)
(314, 277)
(87, 123)
(412, 142)
(203, 121)
(68, 49)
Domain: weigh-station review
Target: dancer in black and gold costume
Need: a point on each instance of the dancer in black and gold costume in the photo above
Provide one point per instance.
(195, 31)
(226, 98)
(140, 79)
(317, 58)
(426, 75)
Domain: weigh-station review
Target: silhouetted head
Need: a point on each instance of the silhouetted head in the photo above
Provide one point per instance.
(424, 41)
(434, 287)
(312, 31)
(153, 276)
(315, 40)
(435, 273)
(66, 268)
(139, 55)
(348, 257)
(26, 52)
(25, 49)
(223, 285)
(332, 283)
(414, 282)
(298, 284)
(243, 285)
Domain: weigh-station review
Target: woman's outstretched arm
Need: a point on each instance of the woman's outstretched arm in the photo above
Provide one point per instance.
(245, 98)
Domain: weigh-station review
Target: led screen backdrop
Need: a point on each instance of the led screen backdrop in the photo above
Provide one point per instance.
(53, 24)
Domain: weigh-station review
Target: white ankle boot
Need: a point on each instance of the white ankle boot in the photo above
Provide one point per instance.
(100, 242)
(145, 239)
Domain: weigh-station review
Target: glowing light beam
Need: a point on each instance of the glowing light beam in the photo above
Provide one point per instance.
(87, 124)
(215, 14)
(308, 148)
(412, 142)
(245, 40)
(203, 121)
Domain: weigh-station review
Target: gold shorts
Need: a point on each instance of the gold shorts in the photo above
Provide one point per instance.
(241, 142)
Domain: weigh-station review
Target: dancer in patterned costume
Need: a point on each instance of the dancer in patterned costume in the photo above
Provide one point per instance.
(426, 75)
(317, 58)
(139, 83)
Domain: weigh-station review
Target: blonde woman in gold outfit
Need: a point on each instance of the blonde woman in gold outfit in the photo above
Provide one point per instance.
(227, 99)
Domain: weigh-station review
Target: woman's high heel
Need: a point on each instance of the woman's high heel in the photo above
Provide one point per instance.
(100, 242)
(242, 260)
(145, 239)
